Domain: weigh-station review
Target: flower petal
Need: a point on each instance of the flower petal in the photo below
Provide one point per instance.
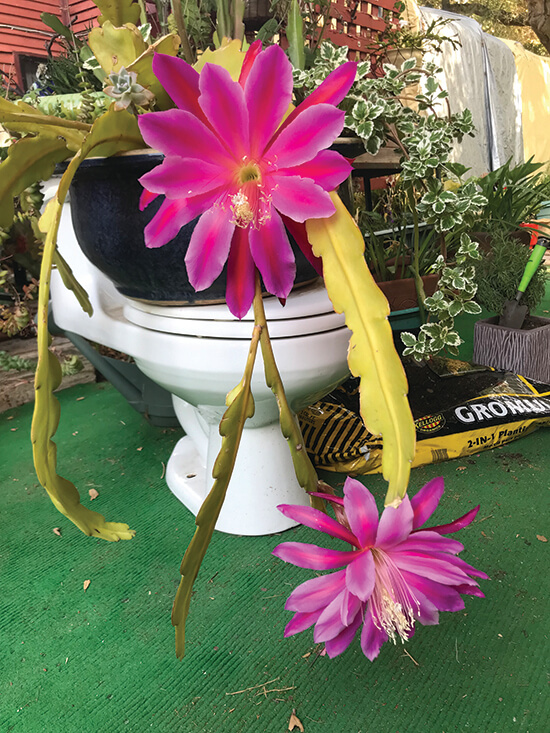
(328, 169)
(173, 214)
(297, 230)
(273, 255)
(395, 524)
(341, 642)
(311, 132)
(332, 91)
(312, 556)
(361, 511)
(316, 519)
(329, 497)
(444, 597)
(301, 622)
(209, 247)
(317, 593)
(425, 501)
(166, 223)
(329, 623)
(146, 198)
(427, 541)
(350, 607)
(300, 198)
(433, 568)
(372, 637)
(241, 272)
(253, 50)
(163, 131)
(361, 575)
(425, 612)
(223, 103)
(268, 92)
(179, 178)
(470, 590)
(462, 565)
(457, 524)
(180, 81)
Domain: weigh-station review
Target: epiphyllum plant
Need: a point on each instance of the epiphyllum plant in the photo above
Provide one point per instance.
(249, 164)
(395, 574)
(247, 174)
(245, 205)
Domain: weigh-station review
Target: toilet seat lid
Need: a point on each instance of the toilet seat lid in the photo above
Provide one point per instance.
(308, 310)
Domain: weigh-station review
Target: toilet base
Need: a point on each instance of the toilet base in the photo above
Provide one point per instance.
(263, 477)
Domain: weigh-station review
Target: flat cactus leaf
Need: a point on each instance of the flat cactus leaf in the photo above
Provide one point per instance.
(71, 283)
(240, 408)
(383, 391)
(115, 47)
(143, 67)
(62, 492)
(29, 160)
(22, 118)
(230, 55)
(113, 132)
(290, 427)
(118, 12)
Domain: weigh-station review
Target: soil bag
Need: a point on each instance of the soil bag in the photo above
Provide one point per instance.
(459, 409)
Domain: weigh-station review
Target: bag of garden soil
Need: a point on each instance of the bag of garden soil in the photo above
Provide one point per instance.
(459, 409)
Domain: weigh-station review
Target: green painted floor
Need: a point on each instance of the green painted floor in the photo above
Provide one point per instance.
(102, 660)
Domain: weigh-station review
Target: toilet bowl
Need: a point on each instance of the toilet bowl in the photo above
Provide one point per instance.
(198, 353)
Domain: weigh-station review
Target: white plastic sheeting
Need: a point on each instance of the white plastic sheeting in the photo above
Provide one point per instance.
(480, 75)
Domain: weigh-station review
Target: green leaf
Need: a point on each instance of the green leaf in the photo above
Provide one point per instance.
(472, 307)
(118, 12)
(29, 160)
(46, 407)
(113, 132)
(241, 407)
(455, 308)
(453, 339)
(432, 330)
(71, 283)
(295, 36)
(371, 356)
(53, 22)
(409, 339)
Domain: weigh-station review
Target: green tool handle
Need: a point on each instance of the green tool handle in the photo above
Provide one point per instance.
(531, 267)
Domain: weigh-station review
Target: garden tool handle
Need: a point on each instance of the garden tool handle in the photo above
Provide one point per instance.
(534, 261)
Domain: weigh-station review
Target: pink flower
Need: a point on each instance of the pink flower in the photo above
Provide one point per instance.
(229, 160)
(396, 574)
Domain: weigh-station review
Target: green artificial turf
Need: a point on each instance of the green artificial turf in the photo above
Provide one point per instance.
(102, 660)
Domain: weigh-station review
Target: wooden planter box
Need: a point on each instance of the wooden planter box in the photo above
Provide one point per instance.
(401, 294)
(524, 351)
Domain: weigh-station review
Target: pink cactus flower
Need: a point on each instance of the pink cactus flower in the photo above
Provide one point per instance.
(395, 575)
(235, 159)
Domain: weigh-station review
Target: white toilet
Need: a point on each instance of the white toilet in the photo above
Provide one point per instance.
(198, 353)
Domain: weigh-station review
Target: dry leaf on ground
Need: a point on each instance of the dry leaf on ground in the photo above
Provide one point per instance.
(541, 538)
(295, 722)
(93, 494)
(57, 531)
(86, 584)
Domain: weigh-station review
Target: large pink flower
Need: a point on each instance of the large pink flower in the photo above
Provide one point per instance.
(229, 160)
(396, 574)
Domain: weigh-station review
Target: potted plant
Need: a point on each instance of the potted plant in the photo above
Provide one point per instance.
(522, 350)
(49, 140)
(431, 185)
(323, 227)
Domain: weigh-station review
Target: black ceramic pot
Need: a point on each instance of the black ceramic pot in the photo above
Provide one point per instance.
(109, 228)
